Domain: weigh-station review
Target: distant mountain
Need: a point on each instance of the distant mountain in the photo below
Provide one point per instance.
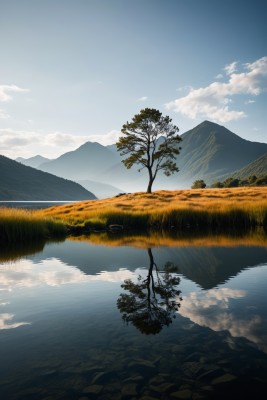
(20, 182)
(32, 161)
(209, 151)
(101, 190)
(89, 161)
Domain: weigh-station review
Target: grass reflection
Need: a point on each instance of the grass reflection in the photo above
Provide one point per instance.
(150, 239)
(15, 251)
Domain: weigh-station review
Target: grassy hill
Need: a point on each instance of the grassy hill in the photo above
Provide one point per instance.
(20, 182)
(178, 210)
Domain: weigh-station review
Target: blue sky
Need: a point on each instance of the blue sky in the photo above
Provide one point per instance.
(77, 70)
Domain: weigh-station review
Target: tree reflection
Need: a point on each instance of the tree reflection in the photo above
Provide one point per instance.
(152, 302)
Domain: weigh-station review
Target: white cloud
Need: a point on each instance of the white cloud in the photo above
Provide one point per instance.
(144, 98)
(26, 144)
(213, 101)
(3, 114)
(230, 68)
(5, 91)
(5, 96)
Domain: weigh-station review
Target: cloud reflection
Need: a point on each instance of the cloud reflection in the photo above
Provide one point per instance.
(5, 319)
(212, 309)
(52, 272)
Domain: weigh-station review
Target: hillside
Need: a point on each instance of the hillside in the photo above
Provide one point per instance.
(20, 182)
(257, 167)
(210, 150)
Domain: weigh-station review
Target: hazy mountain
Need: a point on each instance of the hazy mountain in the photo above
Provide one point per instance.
(209, 151)
(89, 161)
(34, 162)
(20, 182)
(101, 190)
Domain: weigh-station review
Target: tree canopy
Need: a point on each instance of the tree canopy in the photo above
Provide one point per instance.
(151, 141)
(198, 184)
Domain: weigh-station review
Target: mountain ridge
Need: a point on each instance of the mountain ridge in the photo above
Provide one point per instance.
(21, 182)
(209, 151)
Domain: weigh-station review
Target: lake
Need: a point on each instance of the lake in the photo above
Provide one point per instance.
(86, 320)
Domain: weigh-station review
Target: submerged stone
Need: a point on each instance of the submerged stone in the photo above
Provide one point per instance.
(93, 389)
(130, 389)
(223, 379)
(163, 388)
(182, 394)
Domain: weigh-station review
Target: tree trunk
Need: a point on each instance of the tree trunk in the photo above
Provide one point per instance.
(149, 188)
(150, 183)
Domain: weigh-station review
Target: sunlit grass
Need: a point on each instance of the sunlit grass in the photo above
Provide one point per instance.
(24, 226)
(179, 211)
(229, 207)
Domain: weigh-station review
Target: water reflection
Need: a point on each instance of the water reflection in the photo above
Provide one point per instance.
(153, 301)
(15, 251)
(6, 321)
(62, 334)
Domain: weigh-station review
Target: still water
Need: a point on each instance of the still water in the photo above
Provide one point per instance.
(80, 320)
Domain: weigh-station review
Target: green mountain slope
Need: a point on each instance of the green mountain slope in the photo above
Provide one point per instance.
(257, 167)
(210, 150)
(20, 182)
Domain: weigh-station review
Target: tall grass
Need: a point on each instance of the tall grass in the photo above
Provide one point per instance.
(23, 226)
(209, 208)
(212, 209)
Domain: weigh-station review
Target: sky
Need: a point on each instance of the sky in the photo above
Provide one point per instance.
(73, 71)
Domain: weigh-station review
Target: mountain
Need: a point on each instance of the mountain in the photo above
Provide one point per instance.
(98, 164)
(20, 182)
(32, 161)
(257, 167)
(89, 161)
(101, 190)
(209, 151)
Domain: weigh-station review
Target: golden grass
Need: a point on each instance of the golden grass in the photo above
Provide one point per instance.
(24, 226)
(198, 207)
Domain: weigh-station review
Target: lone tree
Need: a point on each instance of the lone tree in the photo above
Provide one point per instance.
(151, 141)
